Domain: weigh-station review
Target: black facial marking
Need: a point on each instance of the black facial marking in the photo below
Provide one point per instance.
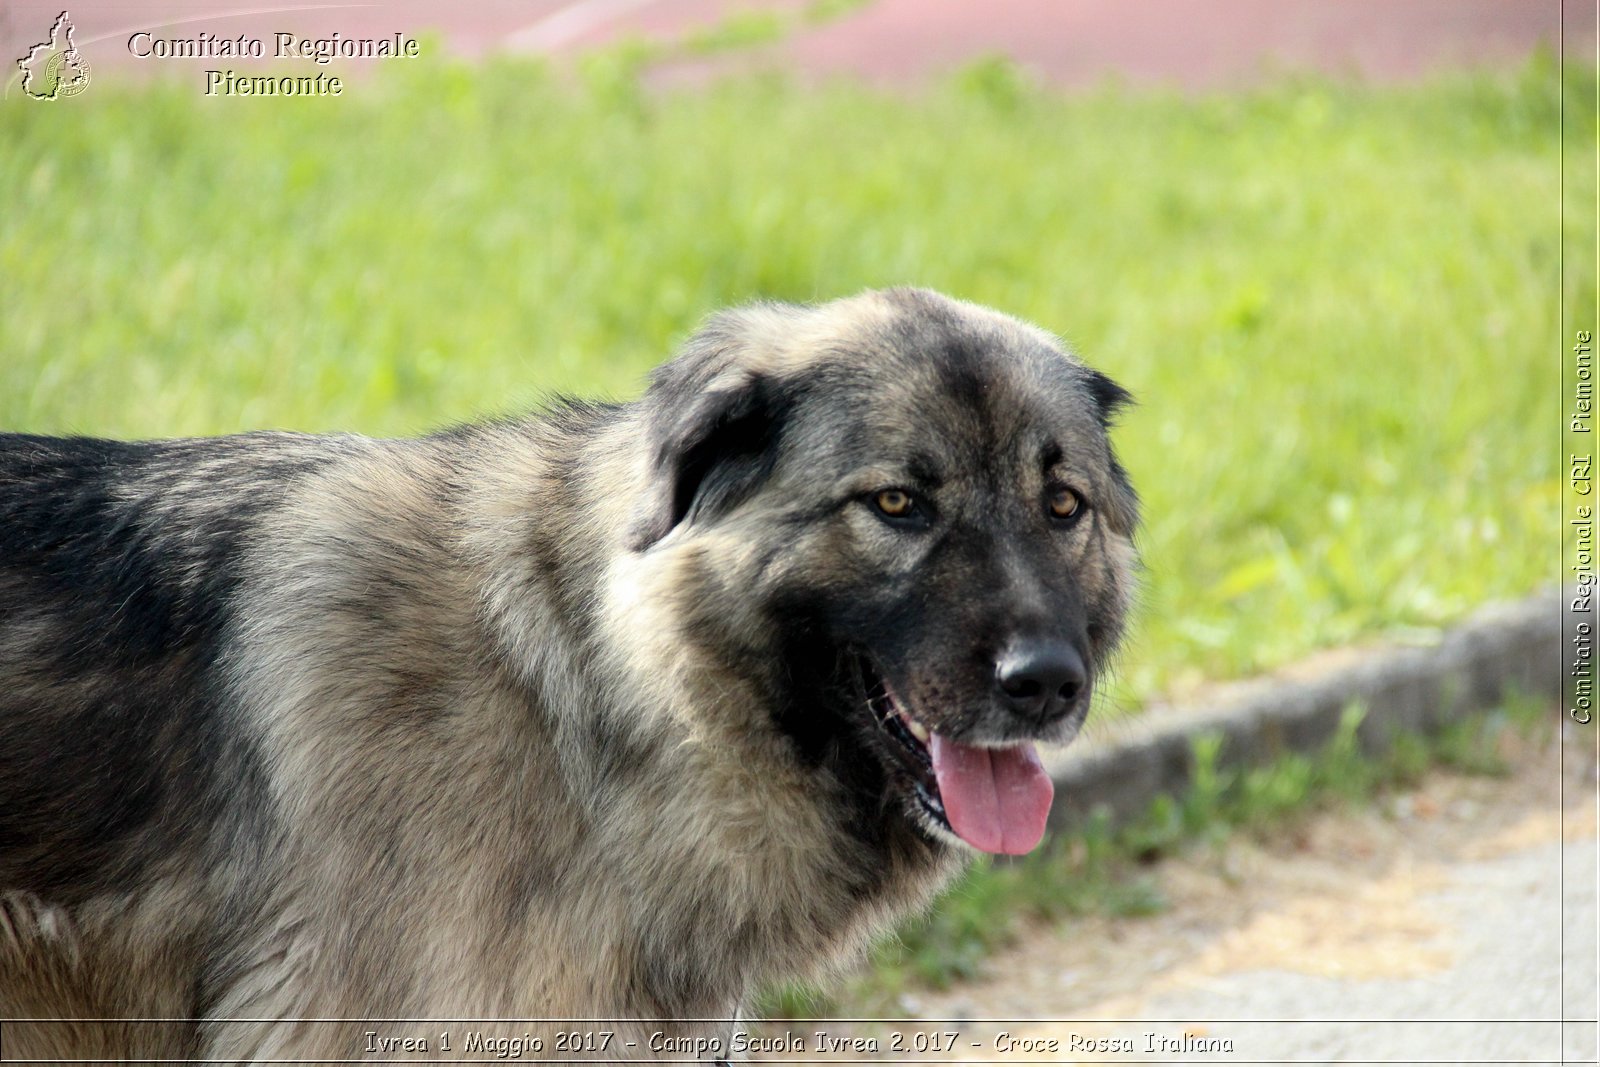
(926, 471)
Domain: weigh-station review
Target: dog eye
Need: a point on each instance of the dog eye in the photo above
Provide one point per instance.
(895, 503)
(1065, 503)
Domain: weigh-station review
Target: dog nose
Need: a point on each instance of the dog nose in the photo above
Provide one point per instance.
(1041, 680)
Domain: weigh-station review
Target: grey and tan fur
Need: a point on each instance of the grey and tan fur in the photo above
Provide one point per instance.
(584, 715)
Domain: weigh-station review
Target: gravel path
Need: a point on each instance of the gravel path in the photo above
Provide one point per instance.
(1452, 924)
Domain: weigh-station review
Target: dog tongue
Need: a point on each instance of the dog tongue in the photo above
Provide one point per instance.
(997, 799)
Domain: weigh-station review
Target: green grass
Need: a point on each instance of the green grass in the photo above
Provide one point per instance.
(1099, 869)
(1335, 303)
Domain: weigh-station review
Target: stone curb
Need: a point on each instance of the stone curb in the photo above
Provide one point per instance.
(1499, 649)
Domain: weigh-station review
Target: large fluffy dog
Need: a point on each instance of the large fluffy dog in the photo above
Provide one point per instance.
(611, 712)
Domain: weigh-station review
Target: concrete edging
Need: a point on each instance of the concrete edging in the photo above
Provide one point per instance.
(1499, 648)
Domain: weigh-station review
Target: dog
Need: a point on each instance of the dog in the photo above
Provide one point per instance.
(610, 713)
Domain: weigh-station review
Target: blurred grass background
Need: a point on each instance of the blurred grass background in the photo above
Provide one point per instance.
(1337, 304)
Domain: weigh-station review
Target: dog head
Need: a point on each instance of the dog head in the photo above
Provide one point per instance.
(899, 515)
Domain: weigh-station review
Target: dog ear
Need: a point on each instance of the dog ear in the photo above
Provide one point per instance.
(1109, 400)
(1109, 397)
(710, 449)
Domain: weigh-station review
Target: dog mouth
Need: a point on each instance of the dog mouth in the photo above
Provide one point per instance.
(993, 798)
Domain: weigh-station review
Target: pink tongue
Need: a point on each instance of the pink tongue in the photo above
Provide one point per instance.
(997, 799)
